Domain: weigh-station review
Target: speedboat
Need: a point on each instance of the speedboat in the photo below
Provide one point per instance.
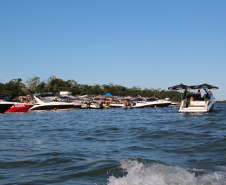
(116, 105)
(154, 102)
(151, 102)
(77, 105)
(193, 102)
(92, 105)
(51, 105)
(20, 107)
(4, 106)
(142, 102)
(72, 99)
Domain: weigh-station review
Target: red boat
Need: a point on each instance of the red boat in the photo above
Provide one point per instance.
(20, 107)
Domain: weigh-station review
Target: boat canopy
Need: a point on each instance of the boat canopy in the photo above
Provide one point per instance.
(202, 86)
(179, 87)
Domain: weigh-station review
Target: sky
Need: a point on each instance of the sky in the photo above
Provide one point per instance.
(142, 43)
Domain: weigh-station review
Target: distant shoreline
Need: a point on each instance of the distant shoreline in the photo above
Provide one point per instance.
(224, 101)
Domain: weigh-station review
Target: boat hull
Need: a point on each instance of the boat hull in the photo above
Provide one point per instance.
(152, 104)
(4, 106)
(116, 105)
(92, 106)
(51, 107)
(40, 105)
(160, 105)
(196, 106)
(19, 107)
(145, 104)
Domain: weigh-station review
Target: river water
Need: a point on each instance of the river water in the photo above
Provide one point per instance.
(114, 147)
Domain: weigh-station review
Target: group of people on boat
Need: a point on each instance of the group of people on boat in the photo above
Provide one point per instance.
(194, 102)
(209, 92)
(198, 97)
(128, 104)
(20, 99)
(207, 95)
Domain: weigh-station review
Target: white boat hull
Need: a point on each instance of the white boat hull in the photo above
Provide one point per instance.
(196, 106)
(40, 105)
(153, 104)
(145, 104)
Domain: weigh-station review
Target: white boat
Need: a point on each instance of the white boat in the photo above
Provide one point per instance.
(92, 105)
(51, 105)
(116, 105)
(136, 104)
(152, 102)
(77, 105)
(196, 103)
(72, 99)
(142, 102)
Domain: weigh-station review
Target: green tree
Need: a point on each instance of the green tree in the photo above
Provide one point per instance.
(96, 90)
(15, 87)
(32, 84)
(41, 88)
(135, 91)
(86, 89)
(2, 88)
(55, 84)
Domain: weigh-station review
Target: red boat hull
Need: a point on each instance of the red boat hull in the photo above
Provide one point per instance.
(20, 107)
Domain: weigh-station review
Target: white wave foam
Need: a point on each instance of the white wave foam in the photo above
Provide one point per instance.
(138, 173)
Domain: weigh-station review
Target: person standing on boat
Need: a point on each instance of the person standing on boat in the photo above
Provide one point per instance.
(210, 93)
(198, 95)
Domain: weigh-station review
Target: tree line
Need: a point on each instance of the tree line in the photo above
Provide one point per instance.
(16, 87)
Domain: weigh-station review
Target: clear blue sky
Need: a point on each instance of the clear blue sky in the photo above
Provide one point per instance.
(147, 43)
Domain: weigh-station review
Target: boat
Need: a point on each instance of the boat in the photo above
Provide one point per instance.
(154, 102)
(77, 105)
(20, 107)
(71, 99)
(4, 106)
(194, 102)
(141, 104)
(116, 105)
(51, 104)
(151, 102)
(92, 105)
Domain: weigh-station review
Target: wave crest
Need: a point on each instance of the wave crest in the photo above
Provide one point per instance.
(142, 173)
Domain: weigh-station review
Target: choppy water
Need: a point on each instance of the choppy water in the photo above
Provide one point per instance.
(115, 147)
